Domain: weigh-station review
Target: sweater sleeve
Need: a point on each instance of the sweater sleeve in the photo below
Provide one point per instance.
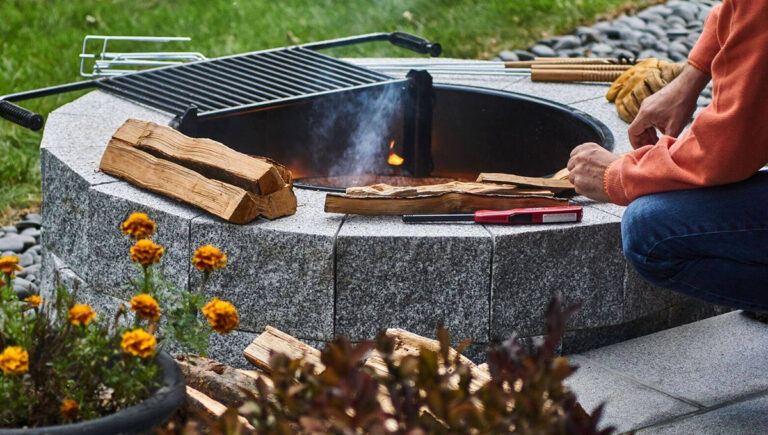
(708, 45)
(728, 141)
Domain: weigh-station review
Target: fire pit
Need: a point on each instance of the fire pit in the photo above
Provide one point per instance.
(316, 275)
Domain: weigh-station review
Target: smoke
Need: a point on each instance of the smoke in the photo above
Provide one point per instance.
(364, 123)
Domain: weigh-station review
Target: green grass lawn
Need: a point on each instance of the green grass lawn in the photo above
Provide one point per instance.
(40, 41)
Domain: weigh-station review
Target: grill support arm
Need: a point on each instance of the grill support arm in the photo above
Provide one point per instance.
(400, 39)
(27, 118)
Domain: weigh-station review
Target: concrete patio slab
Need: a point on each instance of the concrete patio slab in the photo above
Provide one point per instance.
(749, 417)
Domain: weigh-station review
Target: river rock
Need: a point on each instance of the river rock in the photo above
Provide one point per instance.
(633, 22)
(34, 217)
(26, 260)
(10, 230)
(678, 47)
(508, 56)
(602, 49)
(567, 42)
(524, 55)
(32, 232)
(588, 35)
(542, 50)
(27, 224)
(12, 242)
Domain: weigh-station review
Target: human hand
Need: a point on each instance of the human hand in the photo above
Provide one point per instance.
(587, 167)
(669, 110)
(638, 83)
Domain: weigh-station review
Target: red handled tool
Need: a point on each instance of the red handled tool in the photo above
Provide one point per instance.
(534, 215)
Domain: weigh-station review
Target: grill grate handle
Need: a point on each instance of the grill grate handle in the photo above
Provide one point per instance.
(415, 43)
(19, 115)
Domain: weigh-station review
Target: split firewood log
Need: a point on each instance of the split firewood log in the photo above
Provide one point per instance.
(199, 401)
(554, 184)
(218, 380)
(273, 340)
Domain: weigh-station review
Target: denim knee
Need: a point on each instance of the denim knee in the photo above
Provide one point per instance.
(642, 228)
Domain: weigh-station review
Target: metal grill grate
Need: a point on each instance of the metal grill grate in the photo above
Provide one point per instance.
(243, 82)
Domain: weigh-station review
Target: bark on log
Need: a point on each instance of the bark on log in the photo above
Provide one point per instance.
(226, 201)
(215, 379)
(209, 158)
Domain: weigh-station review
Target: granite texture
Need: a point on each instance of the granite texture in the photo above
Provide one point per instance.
(109, 266)
(583, 262)
(315, 275)
(628, 404)
(279, 273)
(748, 417)
(415, 277)
(713, 361)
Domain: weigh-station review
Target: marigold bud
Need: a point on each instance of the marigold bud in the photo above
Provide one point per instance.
(146, 252)
(14, 361)
(81, 314)
(139, 343)
(209, 258)
(138, 226)
(221, 315)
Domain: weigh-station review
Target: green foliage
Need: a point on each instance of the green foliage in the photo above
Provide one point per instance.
(430, 393)
(74, 353)
(40, 40)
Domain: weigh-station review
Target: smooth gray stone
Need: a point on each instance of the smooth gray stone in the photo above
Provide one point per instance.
(543, 51)
(588, 34)
(659, 9)
(678, 47)
(32, 269)
(523, 281)
(650, 53)
(34, 249)
(567, 42)
(706, 92)
(626, 53)
(633, 22)
(26, 260)
(747, 417)
(674, 20)
(10, 230)
(508, 56)
(651, 17)
(656, 31)
(524, 55)
(685, 14)
(647, 40)
(425, 276)
(703, 101)
(21, 284)
(711, 361)
(677, 56)
(12, 242)
(7, 253)
(32, 232)
(28, 241)
(27, 224)
(695, 25)
(602, 49)
(549, 42)
(628, 404)
(22, 293)
(34, 217)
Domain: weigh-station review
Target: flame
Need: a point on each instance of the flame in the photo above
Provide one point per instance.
(393, 158)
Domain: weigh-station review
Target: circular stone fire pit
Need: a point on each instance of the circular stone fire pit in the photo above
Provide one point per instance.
(316, 275)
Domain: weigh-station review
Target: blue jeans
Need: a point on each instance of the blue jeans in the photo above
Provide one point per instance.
(709, 243)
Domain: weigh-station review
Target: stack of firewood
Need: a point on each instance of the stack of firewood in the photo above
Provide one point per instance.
(201, 172)
(213, 387)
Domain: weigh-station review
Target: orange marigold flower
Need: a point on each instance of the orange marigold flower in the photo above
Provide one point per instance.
(10, 264)
(146, 306)
(138, 226)
(221, 315)
(70, 409)
(14, 360)
(34, 300)
(81, 314)
(209, 258)
(146, 252)
(139, 343)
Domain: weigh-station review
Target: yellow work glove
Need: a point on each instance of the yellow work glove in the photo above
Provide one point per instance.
(640, 82)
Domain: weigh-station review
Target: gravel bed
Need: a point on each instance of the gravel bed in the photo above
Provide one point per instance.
(23, 241)
(667, 31)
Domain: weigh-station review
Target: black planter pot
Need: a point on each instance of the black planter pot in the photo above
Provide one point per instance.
(137, 419)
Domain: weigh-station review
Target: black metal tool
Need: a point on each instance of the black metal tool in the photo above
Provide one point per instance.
(517, 216)
(234, 84)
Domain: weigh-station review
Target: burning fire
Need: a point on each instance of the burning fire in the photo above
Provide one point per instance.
(393, 158)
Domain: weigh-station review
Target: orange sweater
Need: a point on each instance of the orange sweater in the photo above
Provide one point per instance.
(728, 140)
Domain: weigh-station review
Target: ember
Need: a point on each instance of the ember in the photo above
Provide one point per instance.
(393, 158)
